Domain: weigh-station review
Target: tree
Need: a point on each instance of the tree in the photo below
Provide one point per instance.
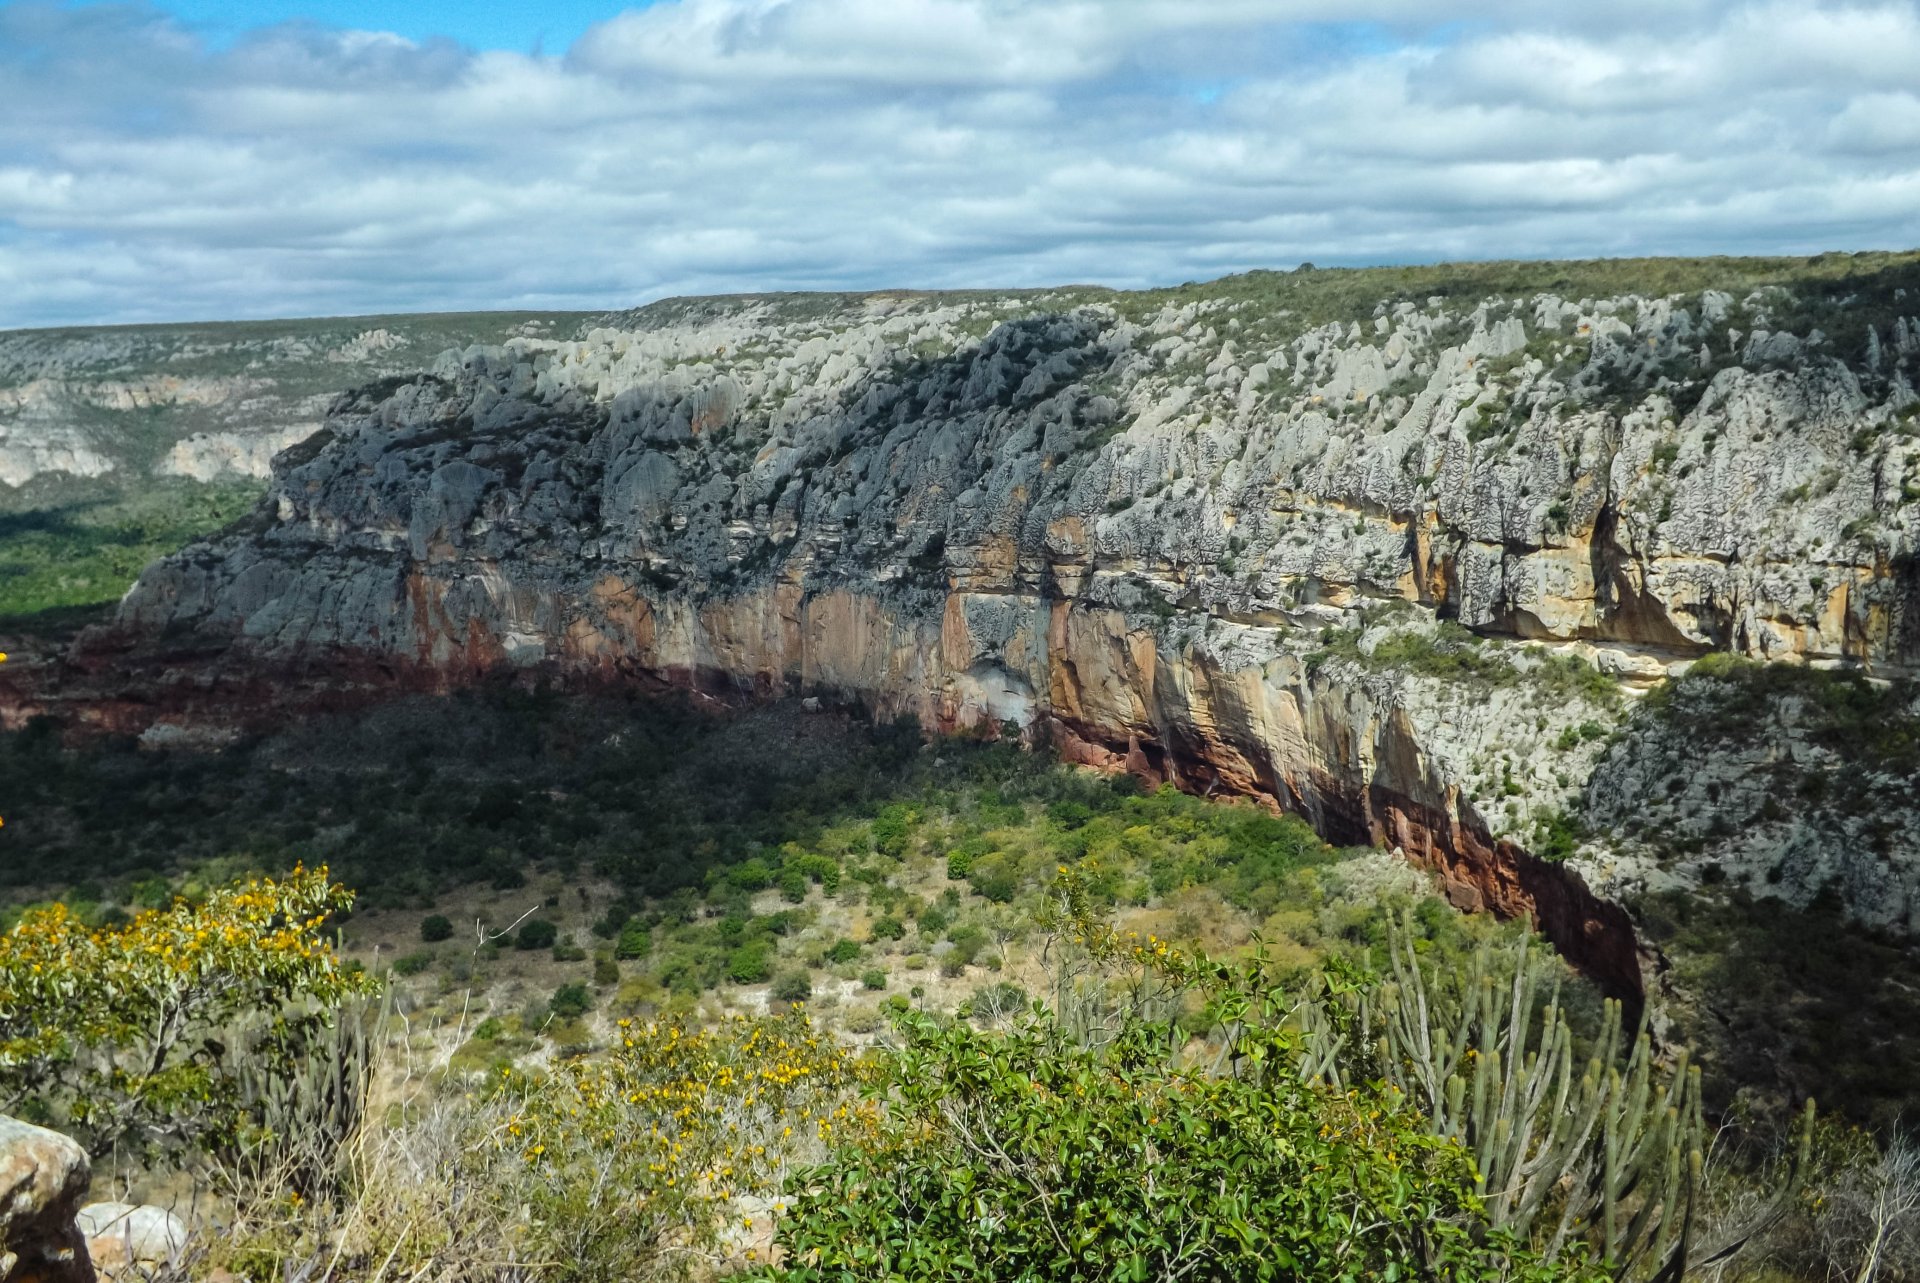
(536, 933)
(1029, 1155)
(142, 1034)
(635, 942)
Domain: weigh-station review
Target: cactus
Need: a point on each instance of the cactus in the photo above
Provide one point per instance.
(1610, 1154)
(306, 1084)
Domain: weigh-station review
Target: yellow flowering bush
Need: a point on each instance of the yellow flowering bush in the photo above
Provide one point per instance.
(650, 1161)
(128, 1035)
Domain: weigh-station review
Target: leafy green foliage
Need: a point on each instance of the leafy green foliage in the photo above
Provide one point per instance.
(570, 1001)
(121, 1034)
(750, 964)
(90, 550)
(635, 942)
(1027, 1156)
(536, 933)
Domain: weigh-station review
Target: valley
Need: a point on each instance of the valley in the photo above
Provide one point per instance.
(797, 644)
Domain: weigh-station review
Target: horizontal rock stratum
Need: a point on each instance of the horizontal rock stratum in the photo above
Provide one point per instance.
(1228, 535)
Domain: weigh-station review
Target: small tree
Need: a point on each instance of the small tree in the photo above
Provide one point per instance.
(140, 1035)
(436, 928)
(570, 1002)
(1027, 1155)
(635, 942)
(750, 963)
(536, 933)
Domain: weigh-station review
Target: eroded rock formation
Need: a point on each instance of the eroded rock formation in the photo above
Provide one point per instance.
(1226, 536)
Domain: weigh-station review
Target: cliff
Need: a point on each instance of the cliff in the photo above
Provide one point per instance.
(1395, 550)
(203, 402)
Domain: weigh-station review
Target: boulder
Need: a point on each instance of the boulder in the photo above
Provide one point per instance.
(43, 1177)
(127, 1241)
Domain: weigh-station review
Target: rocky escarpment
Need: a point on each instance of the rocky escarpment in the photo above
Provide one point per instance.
(205, 402)
(1782, 782)
(1396, 558)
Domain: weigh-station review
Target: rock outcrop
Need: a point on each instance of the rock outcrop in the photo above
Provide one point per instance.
(1395, 562)
(204, 402)
(128, 1241)
(43, 1177)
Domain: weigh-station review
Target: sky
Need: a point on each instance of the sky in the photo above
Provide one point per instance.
(206, 159)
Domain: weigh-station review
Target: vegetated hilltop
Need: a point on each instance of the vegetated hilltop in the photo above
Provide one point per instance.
(1397, 548)
(119, 444)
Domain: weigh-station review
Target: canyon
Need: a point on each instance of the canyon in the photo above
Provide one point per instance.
(1400, 550)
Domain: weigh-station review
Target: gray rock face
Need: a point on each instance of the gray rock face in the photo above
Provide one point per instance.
(1208, 533)
(206, 402)
(1781, 784)
(43, 1177)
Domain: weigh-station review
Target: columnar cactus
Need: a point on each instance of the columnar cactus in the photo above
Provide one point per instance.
(1610, 1153)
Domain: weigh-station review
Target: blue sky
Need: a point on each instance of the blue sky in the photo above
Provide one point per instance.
(521, 26)
(208, 158)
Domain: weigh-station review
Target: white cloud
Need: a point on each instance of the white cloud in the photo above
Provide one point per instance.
(755, 144)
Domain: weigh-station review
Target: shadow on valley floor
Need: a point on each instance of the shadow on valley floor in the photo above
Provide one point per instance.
(1800, 1003)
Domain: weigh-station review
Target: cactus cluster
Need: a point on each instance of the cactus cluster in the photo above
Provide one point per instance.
(306, 1085)
(1610, 1153)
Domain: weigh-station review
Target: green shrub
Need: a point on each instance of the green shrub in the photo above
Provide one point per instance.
(536, 933)
(635, 942)
(490, 1029)
(1560, 833)
(995, 877)
(887, 928)
(791, 986)
(608, 924)
(821, 869)
(570, 1002)
(436, 928)
(967, 941)
(750, 875)
(750, 964)
(414, 963)
(606, 972)
(891, 829)
(565, 950)
(1027, 1156)
(873, 978)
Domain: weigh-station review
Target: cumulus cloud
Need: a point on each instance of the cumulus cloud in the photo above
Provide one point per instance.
(710, 145)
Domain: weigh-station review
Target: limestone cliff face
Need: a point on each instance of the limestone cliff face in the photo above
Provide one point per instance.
(84, 409)
(1204, 534)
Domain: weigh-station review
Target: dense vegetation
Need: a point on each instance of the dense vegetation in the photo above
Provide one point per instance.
(410, 799)
(90, 550)
(1093, 1135)
(685, 870)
